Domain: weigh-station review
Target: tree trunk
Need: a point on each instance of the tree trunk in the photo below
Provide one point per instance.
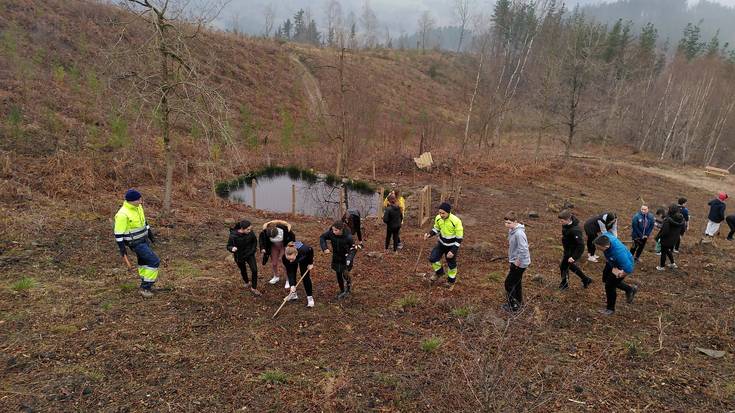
(165, 110)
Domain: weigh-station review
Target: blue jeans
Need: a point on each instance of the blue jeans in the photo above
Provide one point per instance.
(148, 263)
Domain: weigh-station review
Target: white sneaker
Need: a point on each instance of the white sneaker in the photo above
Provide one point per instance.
(274, 280)
(287, 285)
(310, 301)
(676, 251)
(658, 253)
(673, 265)
(592, 258)
(293, 297)
(659, 268)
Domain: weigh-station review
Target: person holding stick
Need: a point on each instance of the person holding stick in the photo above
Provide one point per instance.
(450, 231)
(301, 256)
(243, 244)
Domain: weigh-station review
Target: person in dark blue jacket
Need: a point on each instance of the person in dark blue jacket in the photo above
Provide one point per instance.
(619, 263)
(642, 226)
(715, 217)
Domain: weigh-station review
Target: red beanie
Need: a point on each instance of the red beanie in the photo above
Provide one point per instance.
(722, 196)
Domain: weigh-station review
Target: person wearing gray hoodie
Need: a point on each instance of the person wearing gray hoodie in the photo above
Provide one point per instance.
(520, 258)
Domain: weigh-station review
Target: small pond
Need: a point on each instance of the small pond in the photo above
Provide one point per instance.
(313, 196)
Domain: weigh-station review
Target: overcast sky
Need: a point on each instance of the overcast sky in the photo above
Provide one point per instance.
(398, 15)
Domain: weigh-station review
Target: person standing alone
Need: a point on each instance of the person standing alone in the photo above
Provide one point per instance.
(642, 226)
(520, 258)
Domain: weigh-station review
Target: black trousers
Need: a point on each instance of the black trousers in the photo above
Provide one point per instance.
(731, 223)
(612, 284)
(565, 266)
(514, 286)
(666, 252)
(248, 262)
(591, 235)
(392, 233)
(307, 280)
(678, 242)
(638, 245)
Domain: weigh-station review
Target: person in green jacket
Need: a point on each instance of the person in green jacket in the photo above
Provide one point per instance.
(132, 231)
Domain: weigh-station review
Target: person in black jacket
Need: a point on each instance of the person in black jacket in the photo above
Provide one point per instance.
(392, 217)
(730, 223)
(715, 217)
(273, 239)
(301, 256)
(669, 235)
(243, 245)
(572, 240)
(351, 218)
(597, 225)
(343, 254)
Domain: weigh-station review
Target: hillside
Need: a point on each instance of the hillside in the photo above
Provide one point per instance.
(76, 336)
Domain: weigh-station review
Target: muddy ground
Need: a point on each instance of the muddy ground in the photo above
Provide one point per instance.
(80, 338)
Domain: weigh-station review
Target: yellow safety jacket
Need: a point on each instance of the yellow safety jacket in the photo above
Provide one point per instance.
(450, 231)
(130, 223)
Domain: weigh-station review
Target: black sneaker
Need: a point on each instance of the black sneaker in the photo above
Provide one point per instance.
(630, 295)
(343, 295)
(508, 308)
(586, 282)
(564, 285)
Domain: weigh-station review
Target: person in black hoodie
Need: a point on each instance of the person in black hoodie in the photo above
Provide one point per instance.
(669, 235)
(715, 217)
(273, 239)
(730, 223)
(597, 225)
(572, 240)
(392, 217)
(243, 245)
(351, 218)
(343, 253)
(301, 256)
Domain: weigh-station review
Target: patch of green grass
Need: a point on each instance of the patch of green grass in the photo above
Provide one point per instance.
(495, 276)
(107, 305)
(25, 283)
(634, 348)
(461, 312)
(185, 269)
(431, 344)
(274, 377)
(64, 329)
(128, 286)
(408, 301)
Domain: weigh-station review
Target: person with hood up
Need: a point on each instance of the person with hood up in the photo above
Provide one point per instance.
(243, 245)
(572, 240)
(715, 217)
(669, 236)
(642, 226)
(600, 224)
(519, 257)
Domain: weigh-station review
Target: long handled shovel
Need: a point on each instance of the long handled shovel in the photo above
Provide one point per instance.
(285, 299)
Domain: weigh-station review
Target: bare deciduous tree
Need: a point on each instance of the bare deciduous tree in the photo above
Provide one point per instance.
(269, 15)
(462, 14)
(426, 25)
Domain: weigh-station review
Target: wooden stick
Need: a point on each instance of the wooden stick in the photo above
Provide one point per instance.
(285, 299)
(416, 267)
(252, 185)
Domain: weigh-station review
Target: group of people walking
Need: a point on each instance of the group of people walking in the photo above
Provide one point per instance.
(278, 243)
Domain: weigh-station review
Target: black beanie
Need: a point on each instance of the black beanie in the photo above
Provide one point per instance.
(445, 207)
(242, 224)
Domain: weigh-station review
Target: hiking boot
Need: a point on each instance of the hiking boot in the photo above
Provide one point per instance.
(287, 285)
(592, 258)
(274, 280)
(630, 295)
(146, 293)
(586, 282)
(310, 301)
(607, 312)
(660, 268)
(255, 292)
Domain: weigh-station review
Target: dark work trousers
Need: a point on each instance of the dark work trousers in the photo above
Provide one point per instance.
(666, 252)
(342, 270)
(248, 262)
(514, 286)
(637, 248)
(678, 242)
(565, 266)
(307, 280)
(731, 223)
(392, 233)
(591, 248)
(612, 284)
(436, 261)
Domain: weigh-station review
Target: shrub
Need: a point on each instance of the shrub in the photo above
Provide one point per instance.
(408, 301)
(25, 283)
(461, 312)
(274, 377)
(431, 344)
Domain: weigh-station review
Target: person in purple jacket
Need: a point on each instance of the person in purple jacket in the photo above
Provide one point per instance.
(619, 264)
(642, 226)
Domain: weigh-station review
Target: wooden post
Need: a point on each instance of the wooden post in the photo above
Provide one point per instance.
(341, 201)
(253, 184)
(293, 199)
(421, 209)
(379, 210)
(374, 178)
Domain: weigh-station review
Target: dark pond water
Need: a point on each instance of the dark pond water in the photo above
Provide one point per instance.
(312, 198)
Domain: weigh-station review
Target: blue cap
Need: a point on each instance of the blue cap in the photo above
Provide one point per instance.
(132, 195)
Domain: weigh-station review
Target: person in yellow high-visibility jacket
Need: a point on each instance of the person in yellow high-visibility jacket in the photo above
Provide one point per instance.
(449, 229)
(132, 231)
